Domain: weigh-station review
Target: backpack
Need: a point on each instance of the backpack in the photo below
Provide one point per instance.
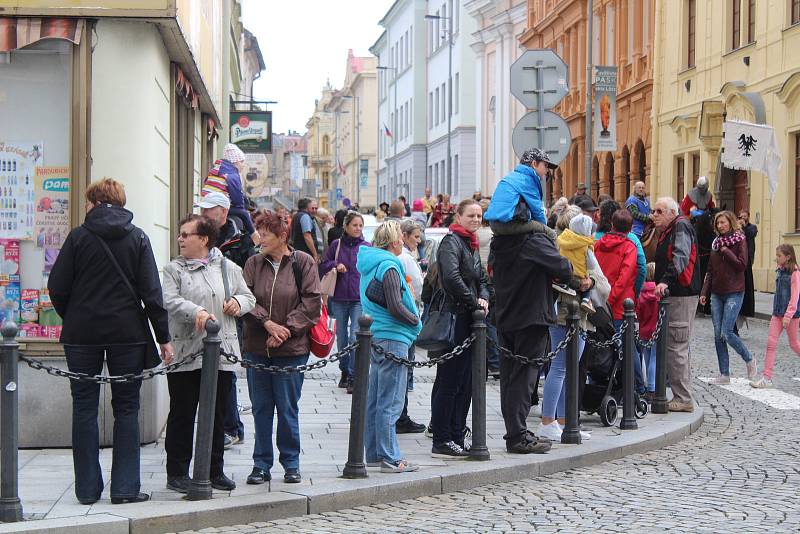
(323, 333)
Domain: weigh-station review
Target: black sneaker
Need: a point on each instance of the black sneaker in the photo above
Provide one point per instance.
(429, 431)
(448, 450)
(349, 386)
(258, 476)
(343, 380)
(179, 484)
(223, 483)
(408, 426)
(564, 288)
(526, 446)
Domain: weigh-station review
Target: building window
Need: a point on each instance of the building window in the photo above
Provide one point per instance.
(436, 114)
(455, 95)
(430, 110)
(797, 181)
(736, 23)
(444, 104)
(795, 11)
(695, 168)
(455, 169)
(691, 33)
(679, 174)
(751, 21)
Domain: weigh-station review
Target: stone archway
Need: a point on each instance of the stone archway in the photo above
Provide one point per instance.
(639, 173)
(623, 182)
(608, 175)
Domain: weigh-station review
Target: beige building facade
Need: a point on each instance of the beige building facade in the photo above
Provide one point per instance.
(320, 132)
(734, 59)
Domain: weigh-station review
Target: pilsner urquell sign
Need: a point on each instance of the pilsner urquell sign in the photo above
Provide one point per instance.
(252, 131)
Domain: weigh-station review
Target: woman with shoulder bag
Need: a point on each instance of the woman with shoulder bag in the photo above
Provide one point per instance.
(387, 298)
(465, 285)
(88, 292)
(276, 332)
(199, 285)
(339, 263)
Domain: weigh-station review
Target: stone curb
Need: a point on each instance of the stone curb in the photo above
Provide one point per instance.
(159, 517)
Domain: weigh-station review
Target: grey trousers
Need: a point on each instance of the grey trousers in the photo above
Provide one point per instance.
(682, 311)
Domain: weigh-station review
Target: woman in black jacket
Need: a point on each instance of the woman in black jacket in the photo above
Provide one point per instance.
(104, 321)
(466, 289)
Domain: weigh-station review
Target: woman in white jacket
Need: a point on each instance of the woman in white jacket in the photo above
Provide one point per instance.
(199, 285)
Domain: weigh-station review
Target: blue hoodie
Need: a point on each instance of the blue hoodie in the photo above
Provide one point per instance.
(373, 263)
(521, 182)
(236, 194)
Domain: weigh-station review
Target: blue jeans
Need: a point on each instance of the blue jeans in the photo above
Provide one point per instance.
(268, 393)
(638, 376)
(724, 311)
(121, 359)
(385, 399)
(554, 390)
(346, 314)
(649, 356)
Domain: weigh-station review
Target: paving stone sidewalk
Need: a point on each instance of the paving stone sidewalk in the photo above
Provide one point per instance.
(46, 476)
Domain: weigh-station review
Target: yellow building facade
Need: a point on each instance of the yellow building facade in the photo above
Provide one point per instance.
(729, 59)
(320, 147)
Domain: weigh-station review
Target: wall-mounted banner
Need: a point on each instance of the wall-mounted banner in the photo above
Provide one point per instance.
(605, 109)
(252, 131)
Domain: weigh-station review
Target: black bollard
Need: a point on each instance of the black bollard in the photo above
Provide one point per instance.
(479, 450)
(355, 467)
(572, 429)
(628, 354)
(200, 489)
(10, 505)
(659, 404)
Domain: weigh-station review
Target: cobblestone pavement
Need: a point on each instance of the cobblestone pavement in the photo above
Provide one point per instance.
(739, 472)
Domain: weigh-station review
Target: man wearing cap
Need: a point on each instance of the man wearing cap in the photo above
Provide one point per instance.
(580, 191)
(236, 245)
(524, 183)
(698, 199)
(587, 206)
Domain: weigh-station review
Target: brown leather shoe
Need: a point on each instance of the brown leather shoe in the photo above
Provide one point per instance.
(677, 406)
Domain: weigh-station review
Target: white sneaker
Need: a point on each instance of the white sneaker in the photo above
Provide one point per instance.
(752, 371)
(761, 383)
(585, 436)
(722, 380)
(551, 431)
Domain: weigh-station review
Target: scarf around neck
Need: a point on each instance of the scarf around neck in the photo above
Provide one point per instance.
(463, 232)
(727, 240)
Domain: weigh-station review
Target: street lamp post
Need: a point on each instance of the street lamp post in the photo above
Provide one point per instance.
(394, 134)
(449, 93)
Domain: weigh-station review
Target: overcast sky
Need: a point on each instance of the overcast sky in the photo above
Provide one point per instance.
(304, 43)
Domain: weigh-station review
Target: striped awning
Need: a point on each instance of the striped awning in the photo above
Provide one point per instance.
(18, 33)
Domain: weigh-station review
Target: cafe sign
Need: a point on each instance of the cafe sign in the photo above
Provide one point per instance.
(252, 131)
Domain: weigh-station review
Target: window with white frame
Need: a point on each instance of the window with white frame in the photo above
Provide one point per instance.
(436, 111)
(430, 110)
(455, 94)
(444, 104)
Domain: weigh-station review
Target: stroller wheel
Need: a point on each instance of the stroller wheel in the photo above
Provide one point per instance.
(608, 411)
(641, 408)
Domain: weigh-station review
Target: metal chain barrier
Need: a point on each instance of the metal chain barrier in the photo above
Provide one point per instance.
(540, 360)
(649, 343)
(278, 370)
(615, 341)
(100, 379)
(429, 363)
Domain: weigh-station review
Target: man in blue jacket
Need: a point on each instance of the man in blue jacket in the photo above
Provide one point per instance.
(524, 182)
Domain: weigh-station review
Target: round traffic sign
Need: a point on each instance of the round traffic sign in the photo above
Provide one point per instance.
(555, 137)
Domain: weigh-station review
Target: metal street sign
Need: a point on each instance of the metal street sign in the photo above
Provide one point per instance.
(539, 74)
(555, 135)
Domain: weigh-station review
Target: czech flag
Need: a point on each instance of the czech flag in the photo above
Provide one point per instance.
(386, 131)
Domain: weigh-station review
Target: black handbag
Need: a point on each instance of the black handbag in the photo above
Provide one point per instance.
(152, 356)
(438, 331)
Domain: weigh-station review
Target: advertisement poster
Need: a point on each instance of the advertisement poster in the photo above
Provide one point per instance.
(18, 163)
(252, 131)
(605, 109)
(52, 206)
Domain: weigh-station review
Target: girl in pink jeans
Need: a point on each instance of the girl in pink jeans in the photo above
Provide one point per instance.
(785, 310)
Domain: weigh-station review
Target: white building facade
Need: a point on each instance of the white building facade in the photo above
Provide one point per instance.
(413, 88)
(495, 44)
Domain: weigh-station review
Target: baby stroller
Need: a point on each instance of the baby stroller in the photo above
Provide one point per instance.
(602, 392)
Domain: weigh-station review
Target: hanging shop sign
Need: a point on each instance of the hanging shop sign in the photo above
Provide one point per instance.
(252, 131)
(605, 109)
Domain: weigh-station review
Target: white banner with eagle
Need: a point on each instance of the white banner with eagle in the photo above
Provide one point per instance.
(748, 146)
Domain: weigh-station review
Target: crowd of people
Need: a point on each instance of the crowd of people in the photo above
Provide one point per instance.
(266, 277)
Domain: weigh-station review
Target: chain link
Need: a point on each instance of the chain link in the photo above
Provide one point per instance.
(540, 360)
(100, 379)
(429, 363)
(278, 370)
(649, 343)
(615, 341)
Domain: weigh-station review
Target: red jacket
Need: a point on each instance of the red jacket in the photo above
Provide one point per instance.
(616, 255)
(647, 310)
